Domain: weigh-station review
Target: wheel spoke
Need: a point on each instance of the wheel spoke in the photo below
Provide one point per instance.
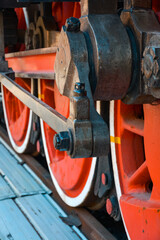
(141, 176)
(49, 88)
(26, 85)
(12, 115)
(151, 144)
(134, 125)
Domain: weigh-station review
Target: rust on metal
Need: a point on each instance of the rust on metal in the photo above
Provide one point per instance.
(112, 56)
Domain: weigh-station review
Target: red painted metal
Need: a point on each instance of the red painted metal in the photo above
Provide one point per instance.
(21, 26)
(62, 11)
(17, 113)
(156, 7)
(33, 63)
(104, 179)
(138, 161)
(109, 207)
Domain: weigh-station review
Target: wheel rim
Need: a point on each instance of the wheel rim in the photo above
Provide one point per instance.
(72, 177)
(136, 164)
(18, 117)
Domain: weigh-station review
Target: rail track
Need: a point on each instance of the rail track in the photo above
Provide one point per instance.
(90, 226)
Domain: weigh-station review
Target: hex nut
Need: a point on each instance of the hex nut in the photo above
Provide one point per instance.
(62, 141)
(73, 24)
(112, 207)
(79, 89)
(151, 65)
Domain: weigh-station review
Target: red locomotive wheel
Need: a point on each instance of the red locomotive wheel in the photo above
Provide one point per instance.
(136, 164)
(18, 117)
(72, 178)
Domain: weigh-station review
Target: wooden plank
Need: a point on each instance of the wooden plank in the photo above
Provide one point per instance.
(13, 224)
(95, 230)
(45, 218)
(91, 227)
(5, 190)
(20, 180)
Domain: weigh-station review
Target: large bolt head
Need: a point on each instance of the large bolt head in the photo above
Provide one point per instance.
(62, 141)
(155, 53)
(104, 178)
(73, 24)
(151, 65)
(112, 207)
(79, 89)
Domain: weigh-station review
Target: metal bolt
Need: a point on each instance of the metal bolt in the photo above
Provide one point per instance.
(151, 63)
(104, 179)
(73, 24)
(112, 207)
(79, 89)
(38, 146)
(62, 141)
(109, 206)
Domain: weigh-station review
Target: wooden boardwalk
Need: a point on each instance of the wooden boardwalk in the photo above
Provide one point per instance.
(27, 212)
